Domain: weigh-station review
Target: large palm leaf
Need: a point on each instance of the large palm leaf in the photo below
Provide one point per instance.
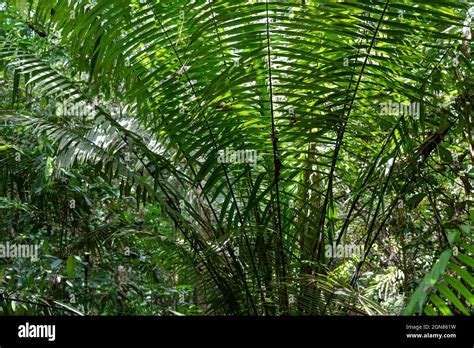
(299, 82)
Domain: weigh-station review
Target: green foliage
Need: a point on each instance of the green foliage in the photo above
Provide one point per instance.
(116, 116)
(447, 289)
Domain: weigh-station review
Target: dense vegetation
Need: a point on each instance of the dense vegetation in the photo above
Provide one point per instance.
(237, 157)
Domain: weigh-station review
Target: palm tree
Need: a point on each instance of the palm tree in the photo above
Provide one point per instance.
(267, 130)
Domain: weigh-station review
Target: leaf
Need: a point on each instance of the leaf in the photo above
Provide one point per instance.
(452, 236)
(445, 291)
(72, 309)
(70, 265)
(439, 303)
(445, 155)
(469, 261)
(415, 200)
(5, 147)
(176, 312)
(460, 288)
(429, 310)
(56, 263)
(450, 211)
(465, 229)
(420, 295)
(469, 279)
